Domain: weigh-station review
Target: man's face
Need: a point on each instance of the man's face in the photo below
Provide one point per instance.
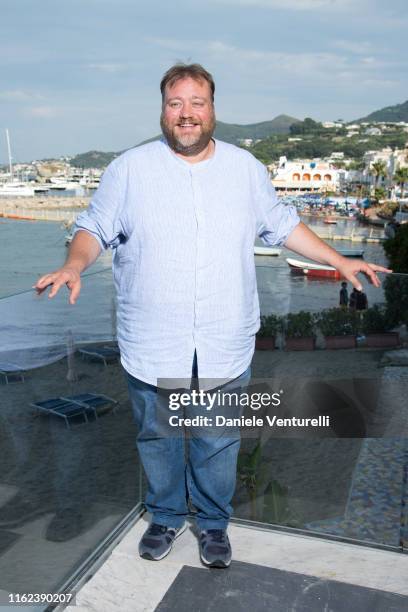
(187, 119)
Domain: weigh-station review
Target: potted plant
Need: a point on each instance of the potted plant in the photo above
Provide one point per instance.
(339, 327)
(265, 338)
(299, 331)
(376, 326)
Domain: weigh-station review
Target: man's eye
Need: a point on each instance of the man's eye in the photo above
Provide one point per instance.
(174, 104)
(198, 104)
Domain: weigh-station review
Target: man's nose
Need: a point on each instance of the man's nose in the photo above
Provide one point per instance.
(186, 110)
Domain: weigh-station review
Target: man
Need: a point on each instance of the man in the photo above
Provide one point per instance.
(181, 215)
(358, 300)
(343, 296)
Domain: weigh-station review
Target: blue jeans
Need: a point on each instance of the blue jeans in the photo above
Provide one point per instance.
(199, 467)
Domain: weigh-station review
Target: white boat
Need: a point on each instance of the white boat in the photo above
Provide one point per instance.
(39, 188)
(309, 268)
(16, 188)
(259, 250)
(63, 184)
(351, 252)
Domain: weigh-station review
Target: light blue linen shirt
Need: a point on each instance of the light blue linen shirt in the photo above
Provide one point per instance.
(183, 240)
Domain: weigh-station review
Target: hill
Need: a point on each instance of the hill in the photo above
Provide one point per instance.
(233, 132)
(398, 112)
(93, 159)
(229, 132)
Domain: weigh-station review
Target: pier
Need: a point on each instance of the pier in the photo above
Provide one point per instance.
(50, 208)
(352, 236)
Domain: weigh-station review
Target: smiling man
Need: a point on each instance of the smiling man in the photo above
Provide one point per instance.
(181, 215)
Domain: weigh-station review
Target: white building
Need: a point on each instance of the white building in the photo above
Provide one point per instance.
(305, 176)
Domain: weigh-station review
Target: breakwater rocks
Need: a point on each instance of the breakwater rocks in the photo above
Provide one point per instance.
(48, 208)
(42, 203)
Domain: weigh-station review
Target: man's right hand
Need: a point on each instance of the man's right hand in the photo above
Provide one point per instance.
(66, 275)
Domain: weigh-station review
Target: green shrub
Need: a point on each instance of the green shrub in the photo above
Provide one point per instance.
(270, 326)
(376, 320)
(299, 325)
(337, 322)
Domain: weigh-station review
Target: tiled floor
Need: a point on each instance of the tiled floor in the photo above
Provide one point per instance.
(128, 583)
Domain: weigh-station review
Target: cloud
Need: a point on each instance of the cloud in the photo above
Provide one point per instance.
(295, 5)
(19, 95)
(110, 67)
(42, 112)
(360, 47)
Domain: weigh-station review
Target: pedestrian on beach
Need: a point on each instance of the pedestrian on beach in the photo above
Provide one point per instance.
(358, 300)
(343, 296)
(181, 215)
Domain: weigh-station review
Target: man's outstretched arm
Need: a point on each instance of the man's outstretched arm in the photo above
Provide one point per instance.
(305, 242)
(83, 251)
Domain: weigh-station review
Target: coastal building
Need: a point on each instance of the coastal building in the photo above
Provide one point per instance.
(305, 176)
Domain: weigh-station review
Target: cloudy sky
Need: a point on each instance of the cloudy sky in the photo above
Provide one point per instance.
(84, 74)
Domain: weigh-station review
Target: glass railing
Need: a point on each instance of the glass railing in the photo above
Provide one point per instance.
(69, 471)
(345, 476)
(70, 475)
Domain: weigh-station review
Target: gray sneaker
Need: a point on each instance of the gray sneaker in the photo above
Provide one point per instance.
(215, 548)
(157, 541)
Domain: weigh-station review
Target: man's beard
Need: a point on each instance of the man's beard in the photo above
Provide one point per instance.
(188, 144)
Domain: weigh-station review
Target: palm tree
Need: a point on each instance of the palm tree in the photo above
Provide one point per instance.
(379, 170)
(401, 177)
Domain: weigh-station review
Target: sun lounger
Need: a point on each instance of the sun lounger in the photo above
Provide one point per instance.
(9, 372)
(61, 407)
(106, 354)
(92, 401)
(75, 405)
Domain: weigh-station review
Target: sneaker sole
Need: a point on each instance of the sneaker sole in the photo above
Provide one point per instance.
(219, 563)
(149, 557)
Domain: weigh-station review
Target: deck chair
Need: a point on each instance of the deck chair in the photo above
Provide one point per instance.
(106, 354)
(92, 401)
(75, 405)
(60, 407)
(9, 372)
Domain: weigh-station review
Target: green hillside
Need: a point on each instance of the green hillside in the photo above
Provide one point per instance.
(229, 132)
(233, 132)
(93, 159)
(398, 112)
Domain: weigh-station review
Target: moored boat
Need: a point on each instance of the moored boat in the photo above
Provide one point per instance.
(351, 252)
(259, 250)
(309, 268)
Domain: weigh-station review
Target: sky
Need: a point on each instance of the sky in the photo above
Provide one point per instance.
(84, 75)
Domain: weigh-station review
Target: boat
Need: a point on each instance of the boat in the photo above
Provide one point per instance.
(330, 221)
(15, 188)
(259, 250)
(351, 252)
(313, 269)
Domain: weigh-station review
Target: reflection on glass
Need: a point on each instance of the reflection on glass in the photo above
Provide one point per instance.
(348, 480)
(69, 469)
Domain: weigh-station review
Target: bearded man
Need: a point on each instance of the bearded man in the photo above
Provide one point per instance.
(181, 215)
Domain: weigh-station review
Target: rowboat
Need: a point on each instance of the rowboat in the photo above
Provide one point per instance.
(330, 221)
(258, 250)
(351, 252)
(312, 269)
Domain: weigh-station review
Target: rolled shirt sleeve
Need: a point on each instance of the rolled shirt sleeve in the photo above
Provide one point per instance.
(275, 220)
(102, 218)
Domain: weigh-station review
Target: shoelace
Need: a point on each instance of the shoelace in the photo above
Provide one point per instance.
(156, 529)
(217, 535)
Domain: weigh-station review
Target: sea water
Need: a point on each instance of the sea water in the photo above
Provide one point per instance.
(28, 322)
